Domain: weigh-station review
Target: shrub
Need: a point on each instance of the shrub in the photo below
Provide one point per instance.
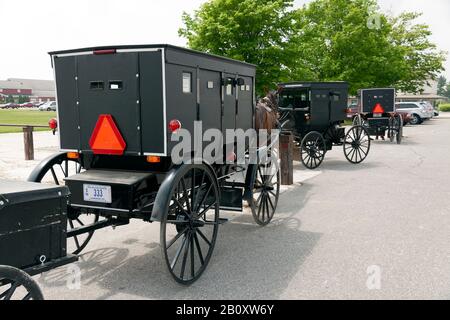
(444, 107)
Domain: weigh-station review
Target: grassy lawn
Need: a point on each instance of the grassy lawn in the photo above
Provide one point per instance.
(29, 117)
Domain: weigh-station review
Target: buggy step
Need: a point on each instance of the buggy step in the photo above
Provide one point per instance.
(223, 220)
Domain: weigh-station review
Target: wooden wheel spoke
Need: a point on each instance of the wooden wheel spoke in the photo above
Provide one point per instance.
(199, 249)
(186, 195)
(55, 178)
(203, 237)
(178, 236)
(192, 257)
(178, 253)
(186, 251)
(10, 292)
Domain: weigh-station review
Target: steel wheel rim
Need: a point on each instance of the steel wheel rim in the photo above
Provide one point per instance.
(356, 145)
(20, 286)
(312, 150)
(189, 229)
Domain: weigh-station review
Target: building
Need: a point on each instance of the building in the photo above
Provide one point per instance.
(34, 90)
(428, 93)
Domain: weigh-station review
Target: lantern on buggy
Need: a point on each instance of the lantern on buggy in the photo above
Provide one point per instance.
(53, 124)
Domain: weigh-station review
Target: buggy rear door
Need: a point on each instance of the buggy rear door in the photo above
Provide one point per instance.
(108, 84)
(320, 108)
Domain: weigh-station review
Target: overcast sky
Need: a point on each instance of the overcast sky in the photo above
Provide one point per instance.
(32, 28)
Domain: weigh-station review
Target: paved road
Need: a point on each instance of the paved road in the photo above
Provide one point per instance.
(390, 214)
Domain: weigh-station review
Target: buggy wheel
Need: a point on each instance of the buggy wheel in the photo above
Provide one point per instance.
(191, 222)
(54, 170)
(396, 128)
(357, 144)
(265, 192)
(312, 150)
(19, 285)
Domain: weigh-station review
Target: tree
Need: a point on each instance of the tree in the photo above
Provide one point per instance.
(353, 40)
(325, 40)
(442, 85)
(255, 31)
(10, 99)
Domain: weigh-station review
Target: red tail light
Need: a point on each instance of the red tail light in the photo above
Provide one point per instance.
(105, 51)
(53, 124)
(174, 126)
(378, 109)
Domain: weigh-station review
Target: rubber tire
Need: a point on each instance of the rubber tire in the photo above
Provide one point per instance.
(416, 120)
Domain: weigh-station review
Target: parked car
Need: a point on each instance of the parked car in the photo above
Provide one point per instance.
(48, 106)
(429, 108)
(11, 105)
(27, 105)
(352, 111)
(418, 111)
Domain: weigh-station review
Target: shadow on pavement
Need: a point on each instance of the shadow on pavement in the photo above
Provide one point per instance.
(248, 261)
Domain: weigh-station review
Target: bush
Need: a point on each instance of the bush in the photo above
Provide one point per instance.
(444, 107)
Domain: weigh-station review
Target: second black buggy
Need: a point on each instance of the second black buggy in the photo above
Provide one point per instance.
(314, 112)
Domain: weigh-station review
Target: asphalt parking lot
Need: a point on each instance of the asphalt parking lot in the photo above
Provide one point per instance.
(335, 231)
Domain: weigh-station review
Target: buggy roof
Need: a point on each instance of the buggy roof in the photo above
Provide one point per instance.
(314, 85)
(149, 46)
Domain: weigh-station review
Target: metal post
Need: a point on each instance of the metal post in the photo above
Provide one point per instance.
(287, 158)
(28, 143)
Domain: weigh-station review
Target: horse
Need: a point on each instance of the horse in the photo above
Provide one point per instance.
(266, 113)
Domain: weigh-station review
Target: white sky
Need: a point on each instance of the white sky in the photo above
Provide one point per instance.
(32, 28)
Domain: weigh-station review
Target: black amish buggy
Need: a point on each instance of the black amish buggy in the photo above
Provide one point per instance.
(314, 113)
(377, 113)
(117, 109)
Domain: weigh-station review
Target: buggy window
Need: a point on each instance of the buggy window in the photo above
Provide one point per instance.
(298, 99)
(187, 82)
(229, 90)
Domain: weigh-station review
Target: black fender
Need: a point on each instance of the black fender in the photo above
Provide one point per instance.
(165, 190)
(38, 173)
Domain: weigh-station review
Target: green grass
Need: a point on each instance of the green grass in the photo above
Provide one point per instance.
(444, 107)
(28, 117)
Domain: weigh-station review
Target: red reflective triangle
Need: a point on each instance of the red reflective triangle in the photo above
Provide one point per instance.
(106, 138)
(378, 109)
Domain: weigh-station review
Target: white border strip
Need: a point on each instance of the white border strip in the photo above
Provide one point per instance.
(163, 61)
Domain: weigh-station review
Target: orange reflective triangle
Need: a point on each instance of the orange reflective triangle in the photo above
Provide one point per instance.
(378, 109)
(106, 138)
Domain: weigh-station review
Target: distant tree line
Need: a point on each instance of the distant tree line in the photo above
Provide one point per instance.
(325, 40)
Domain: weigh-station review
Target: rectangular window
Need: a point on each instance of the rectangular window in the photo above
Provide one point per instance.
(187, 82)
(115, 85)
(97, 85)
(210, 84)
(229, 90)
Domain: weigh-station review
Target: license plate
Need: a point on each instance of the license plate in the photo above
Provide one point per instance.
(97, 193)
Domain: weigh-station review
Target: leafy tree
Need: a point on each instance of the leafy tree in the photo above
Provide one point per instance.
(255, 31)
(349, 40)
(352, 40)
(10, 99)
(442, 85)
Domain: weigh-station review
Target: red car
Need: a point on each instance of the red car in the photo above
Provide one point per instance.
(27, 105)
